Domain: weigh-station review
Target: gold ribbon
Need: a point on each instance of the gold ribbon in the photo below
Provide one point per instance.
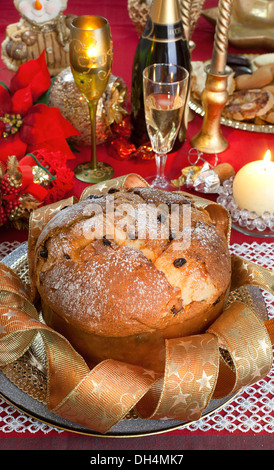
(234, 352)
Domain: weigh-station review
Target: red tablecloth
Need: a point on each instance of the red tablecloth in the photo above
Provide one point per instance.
(243, 147)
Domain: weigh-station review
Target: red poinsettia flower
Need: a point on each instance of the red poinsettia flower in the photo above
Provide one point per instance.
(33, 73)
(25, 126)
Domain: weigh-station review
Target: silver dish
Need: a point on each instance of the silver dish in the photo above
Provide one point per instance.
(241, 125)
(130, 426)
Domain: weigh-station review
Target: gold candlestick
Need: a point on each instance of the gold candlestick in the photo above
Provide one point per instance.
(219, 56)
(91, 62)
(215, 95)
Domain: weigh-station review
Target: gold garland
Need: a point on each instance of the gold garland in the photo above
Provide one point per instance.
(234, 352)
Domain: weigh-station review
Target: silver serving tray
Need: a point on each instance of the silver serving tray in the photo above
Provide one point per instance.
(241, 125)
(133, 427)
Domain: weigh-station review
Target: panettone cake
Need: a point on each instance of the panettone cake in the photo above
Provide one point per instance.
(118, 273)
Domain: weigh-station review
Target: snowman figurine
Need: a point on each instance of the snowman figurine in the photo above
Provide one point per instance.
(42, 26)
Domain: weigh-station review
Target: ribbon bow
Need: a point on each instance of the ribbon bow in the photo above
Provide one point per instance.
(234, 352)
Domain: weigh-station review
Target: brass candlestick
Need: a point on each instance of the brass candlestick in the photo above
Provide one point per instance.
(214, 98)
(215, 95)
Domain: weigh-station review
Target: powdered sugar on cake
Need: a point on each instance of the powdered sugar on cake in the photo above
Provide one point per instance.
(107, 281)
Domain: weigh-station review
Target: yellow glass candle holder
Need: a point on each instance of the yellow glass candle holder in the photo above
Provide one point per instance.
(91, 62)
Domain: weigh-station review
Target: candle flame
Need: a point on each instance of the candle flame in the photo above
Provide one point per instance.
(92, 52)
(267, 157)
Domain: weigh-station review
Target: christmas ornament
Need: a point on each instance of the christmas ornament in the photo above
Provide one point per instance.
(121, 147)
(65, 95)
(138, 12)
(145, 152)
(42, 26)
(38, 179)
(206, 177)
(49, 169)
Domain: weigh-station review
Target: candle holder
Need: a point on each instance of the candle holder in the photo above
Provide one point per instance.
(214, 97)
(91, 62)
(243, 220)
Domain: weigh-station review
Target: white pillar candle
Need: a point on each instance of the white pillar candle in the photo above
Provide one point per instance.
(253, 186)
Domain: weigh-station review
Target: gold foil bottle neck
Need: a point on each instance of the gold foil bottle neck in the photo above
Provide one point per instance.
(165, 12)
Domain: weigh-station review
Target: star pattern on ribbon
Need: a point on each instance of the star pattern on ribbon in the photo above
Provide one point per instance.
(204, 381)
(99, 398)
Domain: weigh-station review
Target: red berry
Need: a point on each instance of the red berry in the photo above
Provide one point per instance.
(10, 205)
(7, 186)
(3, 216)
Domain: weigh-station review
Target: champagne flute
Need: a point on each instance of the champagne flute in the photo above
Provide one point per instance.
(91, 62)
(165, 91)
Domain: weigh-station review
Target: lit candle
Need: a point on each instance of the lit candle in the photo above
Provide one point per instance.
(92, 52)
(219, 56)
(253, 186)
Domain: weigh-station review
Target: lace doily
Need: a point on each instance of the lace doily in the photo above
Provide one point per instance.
(251, 411)
(7, 247)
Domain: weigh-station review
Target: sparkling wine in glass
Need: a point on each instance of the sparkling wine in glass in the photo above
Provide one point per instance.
(91, 62)
(165, 91)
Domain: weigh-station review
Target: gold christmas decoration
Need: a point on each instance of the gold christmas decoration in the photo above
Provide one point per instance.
(65, 95)
(205, 178)
(190, 10)
(196, 8)
(138, 12)
(15, 202)
(40, 176)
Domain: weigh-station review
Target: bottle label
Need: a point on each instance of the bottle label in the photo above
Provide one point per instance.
(163, 33)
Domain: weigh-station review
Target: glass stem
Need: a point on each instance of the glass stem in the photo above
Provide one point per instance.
(160, 166)
(92, 112)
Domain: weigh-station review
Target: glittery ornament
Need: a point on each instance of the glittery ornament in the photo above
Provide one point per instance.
(121, 149)
(138, 12)
(11, 180)
(144, 152)
(122, 128)
(65, 95)
(40, 176)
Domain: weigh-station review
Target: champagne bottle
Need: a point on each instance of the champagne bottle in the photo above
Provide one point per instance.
(163, 41)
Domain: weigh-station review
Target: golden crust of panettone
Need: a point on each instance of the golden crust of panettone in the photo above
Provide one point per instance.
(116, 284)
